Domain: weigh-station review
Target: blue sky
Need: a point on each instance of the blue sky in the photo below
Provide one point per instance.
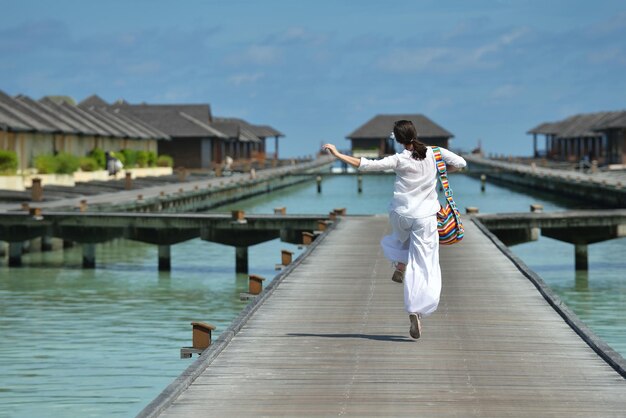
(317, 70)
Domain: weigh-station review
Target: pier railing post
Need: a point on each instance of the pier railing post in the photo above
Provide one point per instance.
(255, 284)
(128, 180)
(286, 257)
(36, 190)
(200, 339)
(280, 211)
(307, 238)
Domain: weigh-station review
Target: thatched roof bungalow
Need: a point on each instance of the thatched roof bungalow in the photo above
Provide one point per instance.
(597, 136)
(372, 138)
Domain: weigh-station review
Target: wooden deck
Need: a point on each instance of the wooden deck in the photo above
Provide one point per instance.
(332, 339)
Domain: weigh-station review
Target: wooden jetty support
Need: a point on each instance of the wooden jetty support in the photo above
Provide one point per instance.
(578, 227)
(182, 197)
(329, 336)
(163, 229)
(596, 188)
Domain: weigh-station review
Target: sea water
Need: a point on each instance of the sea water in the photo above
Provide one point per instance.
(105, 342)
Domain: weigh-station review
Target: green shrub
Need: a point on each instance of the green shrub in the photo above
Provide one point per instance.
(62, 163)
(68, 163)
(46, 164)
(142, 159)
(100, 157)
(165, 161)
(89, 164)
(152, 159)
(8, 162)
(130, 157)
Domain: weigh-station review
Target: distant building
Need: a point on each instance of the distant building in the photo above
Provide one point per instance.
(597, 136)
(245, 140)
(195, 143)
(31, 128)
(372, 138)
(198, 139)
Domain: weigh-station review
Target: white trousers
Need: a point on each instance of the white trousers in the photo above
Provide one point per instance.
(415, 242)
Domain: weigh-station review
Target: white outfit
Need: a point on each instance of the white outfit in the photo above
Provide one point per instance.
(412, 214)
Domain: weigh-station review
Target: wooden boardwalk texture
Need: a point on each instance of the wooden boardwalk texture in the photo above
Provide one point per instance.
(333, 340)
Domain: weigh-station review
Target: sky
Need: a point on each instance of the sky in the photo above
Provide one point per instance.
(486, 71)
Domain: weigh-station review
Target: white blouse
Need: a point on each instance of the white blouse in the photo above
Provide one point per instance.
(415, 188)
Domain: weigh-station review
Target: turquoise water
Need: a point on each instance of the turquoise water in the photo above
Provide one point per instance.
(105, 342)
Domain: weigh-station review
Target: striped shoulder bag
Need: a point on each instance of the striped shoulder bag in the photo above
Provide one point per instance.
(448, 218)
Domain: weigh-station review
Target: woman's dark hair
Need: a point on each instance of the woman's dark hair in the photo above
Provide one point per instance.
(405, 133)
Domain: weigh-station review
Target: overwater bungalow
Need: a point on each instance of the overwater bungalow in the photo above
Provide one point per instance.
(32, 128)
(194, 142)
(372, 138)
(599, 136)
(245, 140)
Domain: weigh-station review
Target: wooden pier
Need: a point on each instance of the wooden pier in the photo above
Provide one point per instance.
(603, 188)
(329, 336)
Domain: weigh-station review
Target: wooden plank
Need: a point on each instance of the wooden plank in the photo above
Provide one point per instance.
(333, 340)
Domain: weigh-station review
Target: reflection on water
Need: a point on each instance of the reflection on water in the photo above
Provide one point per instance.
(105, 342)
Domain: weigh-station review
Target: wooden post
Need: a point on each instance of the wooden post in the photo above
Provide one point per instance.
(286, 257)
(241, 259)
(201, 335)
(340, 211)
(35, 213)
(535, 232)
(280, 211)
(307, 238)
(139, 197)
(26, 207)
(82, 206)
(471, 210)
(182, 173)
(332, 216)
(36, 190)
(321, 225)
(218, 171)
(239, 215)
(165, 258)
(128, 181)
(255, 284)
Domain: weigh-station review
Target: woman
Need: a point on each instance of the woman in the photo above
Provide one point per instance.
(413, 246)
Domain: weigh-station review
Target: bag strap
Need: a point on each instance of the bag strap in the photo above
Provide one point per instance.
(443, 174)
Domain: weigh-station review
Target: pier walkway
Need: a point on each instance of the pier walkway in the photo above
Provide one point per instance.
(330, 337)
(123, 200)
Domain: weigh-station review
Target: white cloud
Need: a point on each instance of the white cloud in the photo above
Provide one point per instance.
(255, 55)
(504, 92)
(239, 79)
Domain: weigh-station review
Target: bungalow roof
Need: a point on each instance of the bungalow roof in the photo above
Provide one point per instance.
(175, 120)
(380, 126)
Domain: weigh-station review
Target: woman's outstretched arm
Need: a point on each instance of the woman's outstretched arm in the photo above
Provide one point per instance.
(353, 161)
